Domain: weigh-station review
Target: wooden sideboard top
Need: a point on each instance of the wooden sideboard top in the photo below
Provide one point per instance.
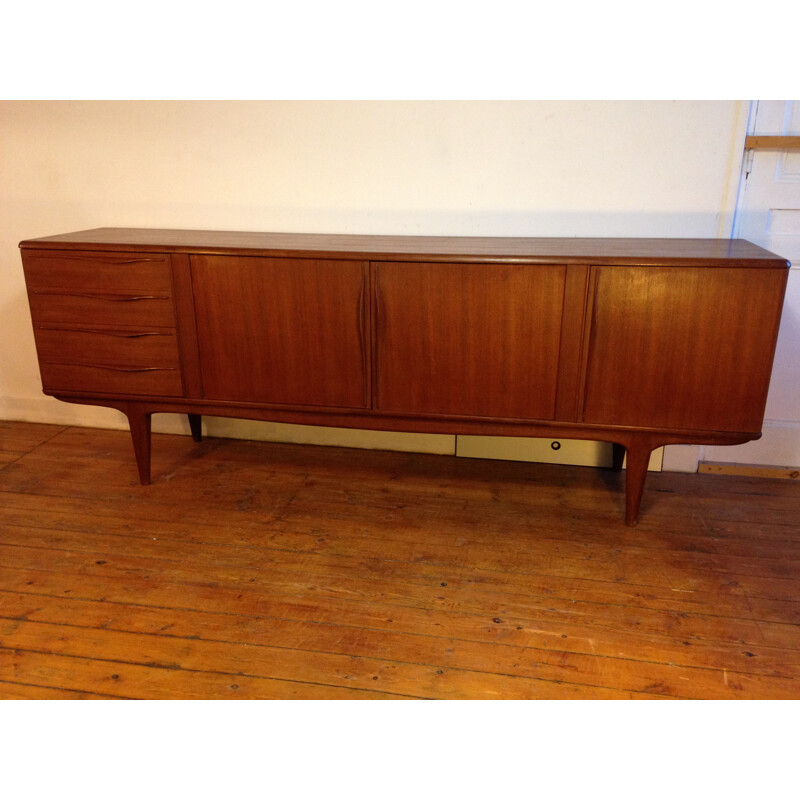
(643, 252)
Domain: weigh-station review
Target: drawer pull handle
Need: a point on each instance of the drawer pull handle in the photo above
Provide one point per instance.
(116, 334)
(122, 335)
(111, 368)
(98, 260)
(117, 298)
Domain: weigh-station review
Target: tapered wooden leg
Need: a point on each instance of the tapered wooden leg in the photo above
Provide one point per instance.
(140, 433)
(617, 456)
(195, 425)
(638, 452)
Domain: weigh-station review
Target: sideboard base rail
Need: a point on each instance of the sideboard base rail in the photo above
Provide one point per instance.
(636, 445)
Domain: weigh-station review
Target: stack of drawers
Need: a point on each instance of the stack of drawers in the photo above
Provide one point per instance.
(104, 322)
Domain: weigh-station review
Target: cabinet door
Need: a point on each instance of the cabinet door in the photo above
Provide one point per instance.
(468, 339)
(282, 330)
(682, 347)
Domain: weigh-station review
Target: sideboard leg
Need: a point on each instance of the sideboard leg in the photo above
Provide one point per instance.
(140, 433)
(195, 427)
(617, 456)
(638, 453)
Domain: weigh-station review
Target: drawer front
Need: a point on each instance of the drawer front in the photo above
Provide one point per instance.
(123, 347)
(104, 322)
(110, 379)
(117, 308)
(131, 273)
(99, 288)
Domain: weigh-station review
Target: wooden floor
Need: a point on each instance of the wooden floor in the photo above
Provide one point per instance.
(253, 570)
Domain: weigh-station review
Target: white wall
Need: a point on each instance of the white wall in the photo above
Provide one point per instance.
(474, 168)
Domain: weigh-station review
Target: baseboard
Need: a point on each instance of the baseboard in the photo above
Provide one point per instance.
(681, 458)
(577, 452)
(750, 470)
(50, 411)
(779, 445)
(234, 428)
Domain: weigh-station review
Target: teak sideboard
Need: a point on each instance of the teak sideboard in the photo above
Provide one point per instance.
(637, 342)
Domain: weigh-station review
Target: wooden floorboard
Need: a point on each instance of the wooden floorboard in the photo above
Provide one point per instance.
(256, 570)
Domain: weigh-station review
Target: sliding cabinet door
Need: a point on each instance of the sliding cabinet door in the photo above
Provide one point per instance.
(468, 339)
(286, 331)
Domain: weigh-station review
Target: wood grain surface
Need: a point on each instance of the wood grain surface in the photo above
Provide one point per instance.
(682, 347)
(542, 250)
(257, 570)
(291, 331)
(468, 339)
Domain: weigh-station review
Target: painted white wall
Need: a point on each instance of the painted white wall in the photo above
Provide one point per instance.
(568, 168)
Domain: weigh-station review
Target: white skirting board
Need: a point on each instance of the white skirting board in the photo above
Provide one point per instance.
(55, 412)
(50, 411)
(229, 427)
(566, 451)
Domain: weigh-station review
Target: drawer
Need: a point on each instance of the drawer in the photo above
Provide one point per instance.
(124, 347)
(94, 308)
(111, 379)
(99, 288)
(131, 273)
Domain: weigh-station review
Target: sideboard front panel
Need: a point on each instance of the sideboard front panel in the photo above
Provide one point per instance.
(681, 347)
(282, 330)
(468, 339)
